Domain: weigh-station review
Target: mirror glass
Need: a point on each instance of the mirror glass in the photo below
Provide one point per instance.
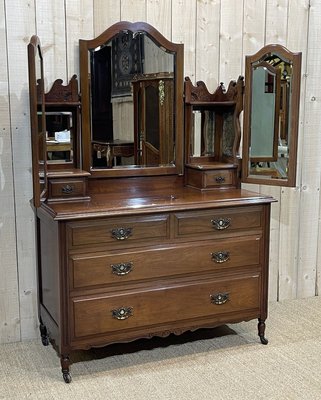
(272, 113)
(59, 137)
(131, 73)
(132, 102)
(205, 138)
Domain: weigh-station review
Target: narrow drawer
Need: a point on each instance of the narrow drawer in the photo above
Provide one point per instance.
(62, 188)
(130, 266)
(119, 231)
(218, 221)
(154, 307)
(218, 178)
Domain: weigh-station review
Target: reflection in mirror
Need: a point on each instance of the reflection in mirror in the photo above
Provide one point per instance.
(130, 107)
(131, 72)
(206, 139)
(59, 137)
(271, 117)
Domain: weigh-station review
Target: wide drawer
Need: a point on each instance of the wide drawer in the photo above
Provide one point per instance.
(157, 306)
(119, 231)
(219, 221)
(120, 267)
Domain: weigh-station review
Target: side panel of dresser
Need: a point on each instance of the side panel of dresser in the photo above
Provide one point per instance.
(52, 269)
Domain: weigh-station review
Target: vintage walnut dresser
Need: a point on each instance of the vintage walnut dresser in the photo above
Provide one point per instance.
(130, 248)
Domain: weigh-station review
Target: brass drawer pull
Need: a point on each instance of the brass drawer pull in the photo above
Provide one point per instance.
(220, 179)
(220, 256)
(219, 298)
(221, 223)
(122, 313)
(67, 189)
(121, 233)
(122, 268)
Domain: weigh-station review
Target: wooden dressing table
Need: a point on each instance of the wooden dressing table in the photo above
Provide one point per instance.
(141, 251)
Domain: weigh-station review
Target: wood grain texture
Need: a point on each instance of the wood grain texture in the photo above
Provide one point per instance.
(9, 297)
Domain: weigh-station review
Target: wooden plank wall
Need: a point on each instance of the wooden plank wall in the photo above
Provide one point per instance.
(217, 35)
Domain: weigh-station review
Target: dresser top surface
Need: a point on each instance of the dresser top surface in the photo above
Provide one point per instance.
(132, 202)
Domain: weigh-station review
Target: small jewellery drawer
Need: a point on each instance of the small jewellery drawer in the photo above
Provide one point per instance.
(218, 178)
(117, 231)
(156, 306)
(120, 267)
(218, 221)
(62, 188)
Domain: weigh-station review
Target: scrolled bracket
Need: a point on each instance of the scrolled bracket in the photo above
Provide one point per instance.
(221, 223)
(121, 233)
(122, 313)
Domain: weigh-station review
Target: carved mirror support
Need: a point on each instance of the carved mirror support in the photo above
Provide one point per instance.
(37, 120)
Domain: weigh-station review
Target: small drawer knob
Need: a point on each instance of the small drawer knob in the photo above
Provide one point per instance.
(122, 268)
(122, 313)
(219, 298)
(220, 256)
(221, 223)
(220, 179)
(67, 189)
(121, 233)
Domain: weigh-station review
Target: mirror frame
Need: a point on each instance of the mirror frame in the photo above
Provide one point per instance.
(37, 100)
(295, 60)
(157, 37)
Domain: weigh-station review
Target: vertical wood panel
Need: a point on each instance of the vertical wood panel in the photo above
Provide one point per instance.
(106, 13)
(231, 29)
(311, 161)
(50, 27)
(290, 197)
(20, 27)
(208, 42)
(9, 298)
(158, 14)
(184, 31)
(79, 25)
(133, 10)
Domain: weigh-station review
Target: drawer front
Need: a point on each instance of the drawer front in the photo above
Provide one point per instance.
(130, 266)
(218, 178)
(67, 188)
(119, 231)
(107, 314)
(218, 221)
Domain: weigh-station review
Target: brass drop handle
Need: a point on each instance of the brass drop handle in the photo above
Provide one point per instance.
(219, 298)
(220, 179)
(121, 233)
(221, 223)
(122, 268)
(220, 256)
(122, 313)
(67, 189)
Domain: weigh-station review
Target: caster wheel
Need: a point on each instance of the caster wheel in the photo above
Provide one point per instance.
(67, 377)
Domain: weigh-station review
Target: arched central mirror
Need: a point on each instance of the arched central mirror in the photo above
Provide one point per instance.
(132, 102)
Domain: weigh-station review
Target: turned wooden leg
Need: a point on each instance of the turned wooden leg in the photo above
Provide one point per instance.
(65, 362)
(44, 334)
(261, 329)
